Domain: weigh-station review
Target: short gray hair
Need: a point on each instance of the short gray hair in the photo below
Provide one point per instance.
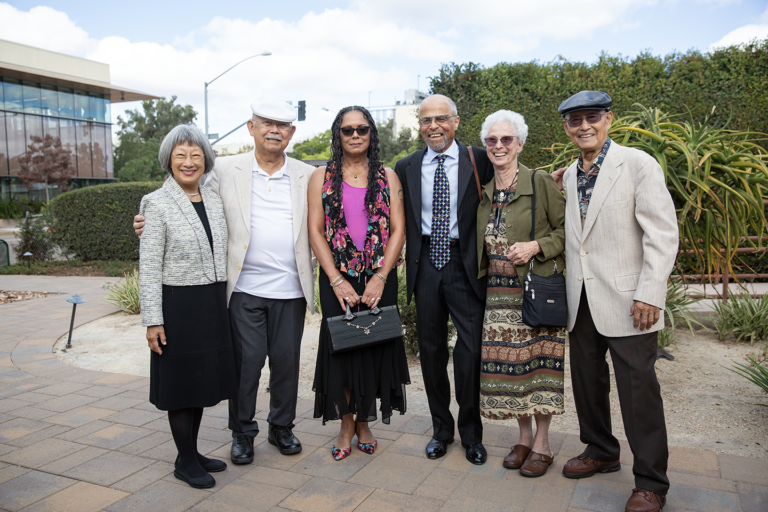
(513, 119)
(185, 134)
(451, 103)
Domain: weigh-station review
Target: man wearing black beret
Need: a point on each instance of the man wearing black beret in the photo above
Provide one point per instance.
(621, 243)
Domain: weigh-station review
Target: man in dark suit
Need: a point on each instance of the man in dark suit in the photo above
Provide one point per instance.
(441, 194)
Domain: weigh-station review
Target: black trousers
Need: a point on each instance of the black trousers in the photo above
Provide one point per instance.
(642, 409)
(260, 328)
(440, 293)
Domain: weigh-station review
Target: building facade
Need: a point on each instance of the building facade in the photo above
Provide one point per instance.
(44, 92)
(405, 114)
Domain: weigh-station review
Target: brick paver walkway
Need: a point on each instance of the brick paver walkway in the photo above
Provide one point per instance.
(80, 440)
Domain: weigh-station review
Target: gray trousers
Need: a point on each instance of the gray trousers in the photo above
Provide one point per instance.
(260, 328)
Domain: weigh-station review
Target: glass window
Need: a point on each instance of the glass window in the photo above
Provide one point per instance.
(3, 147)
(84, 160)
(51, 126)
(107, 109)
(110, 163)
(31, 91)
(14, 125)
(12, 92)
(49, 100)
(99, 148)
(69, 138)
(66, 102)
(97, 107)
(34, 126)
(2, 103)
(82, 107)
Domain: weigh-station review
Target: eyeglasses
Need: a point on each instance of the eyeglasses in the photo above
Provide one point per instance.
(426, 121)
(505, 141)
(362, 131)
(268, 123)
(575, 122)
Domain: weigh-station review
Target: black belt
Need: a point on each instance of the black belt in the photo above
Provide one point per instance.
(453, 242)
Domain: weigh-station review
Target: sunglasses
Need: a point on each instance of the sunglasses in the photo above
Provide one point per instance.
(362, 131)
(505, 141)
(426, 121)
(575, 122)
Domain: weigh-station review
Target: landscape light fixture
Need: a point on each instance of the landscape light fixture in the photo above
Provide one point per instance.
(74, 300)
(28, 255)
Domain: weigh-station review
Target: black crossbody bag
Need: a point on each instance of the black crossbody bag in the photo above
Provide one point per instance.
(544, 299)
(363, 329)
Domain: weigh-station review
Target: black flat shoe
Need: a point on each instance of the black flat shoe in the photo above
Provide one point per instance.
(242, 450)
(476, 453)
(437, 448)
(283, 438)
(211, 465)
(202, 482)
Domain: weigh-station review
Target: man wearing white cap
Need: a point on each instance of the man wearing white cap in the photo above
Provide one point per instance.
(269, 273)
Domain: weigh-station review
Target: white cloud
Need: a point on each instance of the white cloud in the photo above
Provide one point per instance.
(56, 33)
(744, 34)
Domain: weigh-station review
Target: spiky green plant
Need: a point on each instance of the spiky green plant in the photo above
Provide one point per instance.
(756, 372)
(126, 295)
(718, 179)
(677, 312)
(743, 316)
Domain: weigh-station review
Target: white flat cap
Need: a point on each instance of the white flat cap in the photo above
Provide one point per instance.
(275, 109)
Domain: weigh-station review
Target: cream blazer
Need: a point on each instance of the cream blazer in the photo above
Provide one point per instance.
(231, 178)
(628, 245)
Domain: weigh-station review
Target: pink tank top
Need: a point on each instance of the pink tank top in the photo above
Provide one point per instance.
(353, 200)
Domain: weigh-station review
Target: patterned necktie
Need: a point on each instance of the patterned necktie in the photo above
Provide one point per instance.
(439, 253)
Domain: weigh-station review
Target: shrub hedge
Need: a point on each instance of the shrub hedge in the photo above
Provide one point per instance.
(95, 222)
(732, 81)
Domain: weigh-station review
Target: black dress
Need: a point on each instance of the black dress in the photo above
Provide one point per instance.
(197, 367)
(379, 371)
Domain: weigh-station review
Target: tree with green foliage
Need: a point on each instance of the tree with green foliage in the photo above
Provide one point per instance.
(317, 147)
(140, 136)
(393, 147)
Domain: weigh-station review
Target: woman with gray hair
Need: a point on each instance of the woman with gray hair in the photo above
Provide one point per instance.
(522, 367)
(183, 279)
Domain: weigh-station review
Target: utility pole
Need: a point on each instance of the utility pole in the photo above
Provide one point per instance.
(265, 54)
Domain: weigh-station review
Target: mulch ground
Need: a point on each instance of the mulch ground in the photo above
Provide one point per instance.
(8, 296)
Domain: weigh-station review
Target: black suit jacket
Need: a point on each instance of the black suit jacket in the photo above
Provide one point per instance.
(408, 170)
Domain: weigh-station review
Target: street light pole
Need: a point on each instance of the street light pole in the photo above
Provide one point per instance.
(265, 54)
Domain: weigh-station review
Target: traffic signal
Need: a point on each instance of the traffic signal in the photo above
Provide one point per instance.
(302, 110)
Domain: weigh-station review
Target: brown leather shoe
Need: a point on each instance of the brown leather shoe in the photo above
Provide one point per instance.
(536, 465)
(584, 466)
(516, 457)
(643, 500)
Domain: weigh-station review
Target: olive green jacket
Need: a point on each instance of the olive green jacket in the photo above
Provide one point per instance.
(550, 222)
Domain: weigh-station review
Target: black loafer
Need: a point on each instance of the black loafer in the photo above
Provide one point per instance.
(476, 453)
(242, 450)
(202, 482)
(283, 438)
(437, 448)
(211, 465)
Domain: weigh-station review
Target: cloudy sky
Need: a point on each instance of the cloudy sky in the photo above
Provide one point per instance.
(338, 53)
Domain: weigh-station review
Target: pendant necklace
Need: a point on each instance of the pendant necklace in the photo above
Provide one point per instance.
(193, 195)
(504, 191)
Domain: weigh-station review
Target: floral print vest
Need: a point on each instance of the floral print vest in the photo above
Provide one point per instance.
(348, 259)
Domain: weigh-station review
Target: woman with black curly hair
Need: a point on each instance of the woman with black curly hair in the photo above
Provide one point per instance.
(357, 231)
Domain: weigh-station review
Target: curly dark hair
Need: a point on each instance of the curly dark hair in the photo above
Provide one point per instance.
(337, 160)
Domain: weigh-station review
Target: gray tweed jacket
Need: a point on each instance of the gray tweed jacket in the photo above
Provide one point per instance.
(174, 248)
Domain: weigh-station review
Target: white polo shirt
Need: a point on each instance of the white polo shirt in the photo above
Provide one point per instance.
(269, 270)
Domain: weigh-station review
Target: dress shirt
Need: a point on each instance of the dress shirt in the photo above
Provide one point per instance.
(428, 170)
(269, 270)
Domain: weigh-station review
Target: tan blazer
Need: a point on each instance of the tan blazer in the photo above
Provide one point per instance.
(231, 178)
(628, 245)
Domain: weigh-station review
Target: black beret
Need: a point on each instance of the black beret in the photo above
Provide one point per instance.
(585, 100)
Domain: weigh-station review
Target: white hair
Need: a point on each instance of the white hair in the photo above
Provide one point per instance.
(509, 117)
(185, 134)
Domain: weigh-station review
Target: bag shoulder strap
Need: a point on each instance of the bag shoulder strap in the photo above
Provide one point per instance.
(474, 167)
(533, 206)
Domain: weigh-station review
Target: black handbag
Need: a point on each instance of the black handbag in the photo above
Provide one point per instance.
(544, 299)
(363, 329)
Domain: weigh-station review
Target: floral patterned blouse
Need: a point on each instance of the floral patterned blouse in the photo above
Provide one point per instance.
(348, 258)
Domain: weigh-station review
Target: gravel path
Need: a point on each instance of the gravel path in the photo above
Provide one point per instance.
(706, 405)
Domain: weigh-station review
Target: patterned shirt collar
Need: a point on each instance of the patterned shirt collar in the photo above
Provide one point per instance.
(598, 161)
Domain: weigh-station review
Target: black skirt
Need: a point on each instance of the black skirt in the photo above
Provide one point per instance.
(380, 371)
(197, 367)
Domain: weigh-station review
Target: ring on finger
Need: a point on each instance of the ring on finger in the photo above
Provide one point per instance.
(346, 299)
